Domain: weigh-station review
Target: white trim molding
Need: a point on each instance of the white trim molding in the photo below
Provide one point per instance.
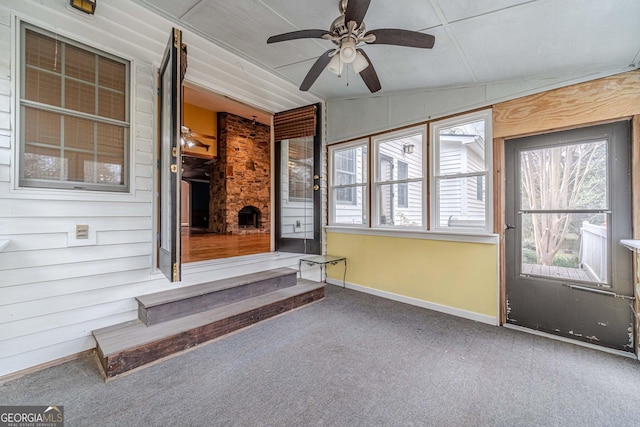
(486, 238)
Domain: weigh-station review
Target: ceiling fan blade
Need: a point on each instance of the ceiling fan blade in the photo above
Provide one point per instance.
(356, 9)
(399, 37)
(302, 34)
(201, 135)
(369, 75)
(316, 69)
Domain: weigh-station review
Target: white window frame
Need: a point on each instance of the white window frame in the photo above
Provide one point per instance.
(376, 184)
(59, 185)
(333, 186)
(435, 176)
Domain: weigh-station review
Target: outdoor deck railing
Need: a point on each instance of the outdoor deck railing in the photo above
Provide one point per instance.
(593, 250)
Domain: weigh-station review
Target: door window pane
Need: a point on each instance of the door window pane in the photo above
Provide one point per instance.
(572, 176)
(565, 245)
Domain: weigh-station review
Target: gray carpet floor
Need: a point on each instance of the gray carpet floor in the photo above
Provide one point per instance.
(353, 360)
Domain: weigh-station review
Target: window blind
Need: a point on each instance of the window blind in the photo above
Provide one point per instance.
(296, 123)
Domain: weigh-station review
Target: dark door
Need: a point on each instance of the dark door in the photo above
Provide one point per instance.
(169, 164)
(568, 207)
(298, 175)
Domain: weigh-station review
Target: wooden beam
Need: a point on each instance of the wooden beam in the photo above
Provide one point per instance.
(498, 218)
(635, 216)
(595, 101)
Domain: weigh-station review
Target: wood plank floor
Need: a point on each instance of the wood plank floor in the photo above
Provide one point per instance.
(205, 246)
(557, 272)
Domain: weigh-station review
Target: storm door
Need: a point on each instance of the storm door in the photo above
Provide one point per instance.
(568, 207)
(169, 156)
(298, 177)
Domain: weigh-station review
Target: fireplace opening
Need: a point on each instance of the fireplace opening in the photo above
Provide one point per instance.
(249, 216)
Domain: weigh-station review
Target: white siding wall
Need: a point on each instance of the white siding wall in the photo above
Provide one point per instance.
(54, 290)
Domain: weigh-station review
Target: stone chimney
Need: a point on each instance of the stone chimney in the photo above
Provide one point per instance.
(241, 178)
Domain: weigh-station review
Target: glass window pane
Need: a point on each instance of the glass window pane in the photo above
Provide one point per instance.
(41, 163)
(390, 213)
(300, 164)
(566, 246)
(47, 130)
(572, 176)
(111, 139)
(79, 133)
(462, 149)
(112, 74)
(350, 165)
(80, 64)
(111, 104)
(354, 211)
(407, 150)
(44, 87)
(108, 170)
(458, 203)
(43, 52)
(79, 96)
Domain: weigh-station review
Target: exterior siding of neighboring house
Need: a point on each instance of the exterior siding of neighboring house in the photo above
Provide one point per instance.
(460, 202)
(55, 289)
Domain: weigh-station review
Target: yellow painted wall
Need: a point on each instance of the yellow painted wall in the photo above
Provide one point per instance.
(202, 121)
(462, 276)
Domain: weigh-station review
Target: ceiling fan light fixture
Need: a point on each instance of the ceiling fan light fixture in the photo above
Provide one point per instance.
(359, 63)
(335, 65)
(348, 50)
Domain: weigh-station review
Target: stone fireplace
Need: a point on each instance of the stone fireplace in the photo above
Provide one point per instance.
(241, 178)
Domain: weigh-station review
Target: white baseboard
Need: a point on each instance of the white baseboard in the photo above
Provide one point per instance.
(417, 302)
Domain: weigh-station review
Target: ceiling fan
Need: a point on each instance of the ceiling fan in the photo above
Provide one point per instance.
(347, 32)
(192, 139)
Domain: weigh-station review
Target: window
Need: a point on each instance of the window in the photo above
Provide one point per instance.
(461, 170)
(348, 187)
(74, 115)
(399, 180)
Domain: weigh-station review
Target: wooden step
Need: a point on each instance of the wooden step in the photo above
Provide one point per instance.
(129, 346)
(175, 303)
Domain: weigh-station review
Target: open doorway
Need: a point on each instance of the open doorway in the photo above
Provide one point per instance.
(226, 170)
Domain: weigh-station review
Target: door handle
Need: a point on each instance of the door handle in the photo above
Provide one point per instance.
(316, 187)
(316, 177)
(510, 227)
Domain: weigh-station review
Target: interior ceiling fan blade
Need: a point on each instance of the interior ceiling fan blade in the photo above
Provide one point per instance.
(356, 9)
(399, 37)
(316, 69)
(302, 34)
(369, 75)
(201, 135)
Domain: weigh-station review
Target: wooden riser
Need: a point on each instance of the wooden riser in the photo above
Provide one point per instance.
(135, 345)
(173, 304)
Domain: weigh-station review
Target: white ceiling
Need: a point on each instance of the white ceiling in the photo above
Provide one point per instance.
(477, 41)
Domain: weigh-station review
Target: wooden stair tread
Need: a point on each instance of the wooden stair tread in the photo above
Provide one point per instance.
(113, 340)
(173, 295)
